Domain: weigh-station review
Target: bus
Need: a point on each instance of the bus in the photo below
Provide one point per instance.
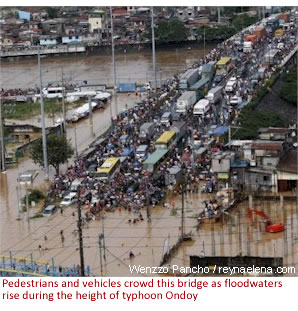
(222, 65)
(108, 169)
(155, 159)
(166, 140)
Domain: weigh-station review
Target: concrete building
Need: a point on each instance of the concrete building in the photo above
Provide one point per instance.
(97, 21)
(71, 39)
(221, 164)
(287, 174)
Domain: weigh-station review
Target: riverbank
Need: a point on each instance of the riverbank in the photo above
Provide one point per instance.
(62, 51)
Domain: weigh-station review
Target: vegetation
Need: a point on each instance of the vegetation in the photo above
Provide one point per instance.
(53, 12)
(58, 148)
(24, 111)
(288, 91)
(223, 32)
(251, 120)
(172, 30)
(34, 196)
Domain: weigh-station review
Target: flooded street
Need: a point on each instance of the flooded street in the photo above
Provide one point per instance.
(235, 235)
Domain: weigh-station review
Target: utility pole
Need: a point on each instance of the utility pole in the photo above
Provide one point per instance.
(182, 212)
(2, 147)
(148, 202)
(103, 237)
(218, 15)
(63, 102)
(113, 64)
(80, 235)
(100, 237)
(44, 139)
(153, 49)
(204, 41)
(76, 144)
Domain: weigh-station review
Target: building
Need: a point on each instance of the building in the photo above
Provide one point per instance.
(97, 21)
(48, 40)
(221, 164)
(71, 39)
(287, 174)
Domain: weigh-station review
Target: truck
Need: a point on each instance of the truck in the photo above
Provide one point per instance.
(214, 94)
(185, 101)
(190, 77)
(259, 32)
(247, 46)
(147, 130)
(251, 38)
(201, 107)
(207, 70)
(272, 23)
(180, 129)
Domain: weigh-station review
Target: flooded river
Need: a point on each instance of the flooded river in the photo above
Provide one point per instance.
(146, 240)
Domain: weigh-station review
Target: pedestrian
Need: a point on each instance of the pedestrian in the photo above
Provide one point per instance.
(39, 248)
(61, 210)
(45, 238)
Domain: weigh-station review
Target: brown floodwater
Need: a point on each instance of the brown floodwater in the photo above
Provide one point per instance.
(146, 240)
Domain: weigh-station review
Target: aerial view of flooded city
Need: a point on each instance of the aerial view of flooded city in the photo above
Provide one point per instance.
(148, 141)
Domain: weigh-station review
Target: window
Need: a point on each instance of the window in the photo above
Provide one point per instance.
(77, 37)
(266, 178)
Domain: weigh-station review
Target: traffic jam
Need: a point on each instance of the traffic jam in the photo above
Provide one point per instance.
(165, 142)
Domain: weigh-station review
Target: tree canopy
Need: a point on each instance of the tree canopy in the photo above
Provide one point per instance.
(169, 31)
(58, 148)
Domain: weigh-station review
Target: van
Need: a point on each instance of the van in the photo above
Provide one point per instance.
(124, 139)
(166, 118)
(49, 210)
(69, 199)
(147, 130)
(75, 185)
(141, 152)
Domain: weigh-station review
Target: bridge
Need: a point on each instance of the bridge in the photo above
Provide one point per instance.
(28, 267)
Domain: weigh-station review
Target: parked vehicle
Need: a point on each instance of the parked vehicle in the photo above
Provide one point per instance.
(180, 129)
(141, 152)
(247, 46)
(214, 95)
(166, 118)
(201, 107)
(49, 210)
(231, 85)
(147, 130)
(76, 184)
(69, 199)
(235, 100)
(185, 101)
(190, 77)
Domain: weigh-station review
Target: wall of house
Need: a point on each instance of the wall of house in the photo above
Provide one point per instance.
(47, 41)
(220, 165)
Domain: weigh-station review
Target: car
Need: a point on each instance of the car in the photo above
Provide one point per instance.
(235, 100)
(69, 199)
(133, 186)
(49, 210)
(217, 79)
(176, 116)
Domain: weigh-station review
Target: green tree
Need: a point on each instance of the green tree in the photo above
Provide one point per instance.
(58, 148)
(170, 31)
(52, 12)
